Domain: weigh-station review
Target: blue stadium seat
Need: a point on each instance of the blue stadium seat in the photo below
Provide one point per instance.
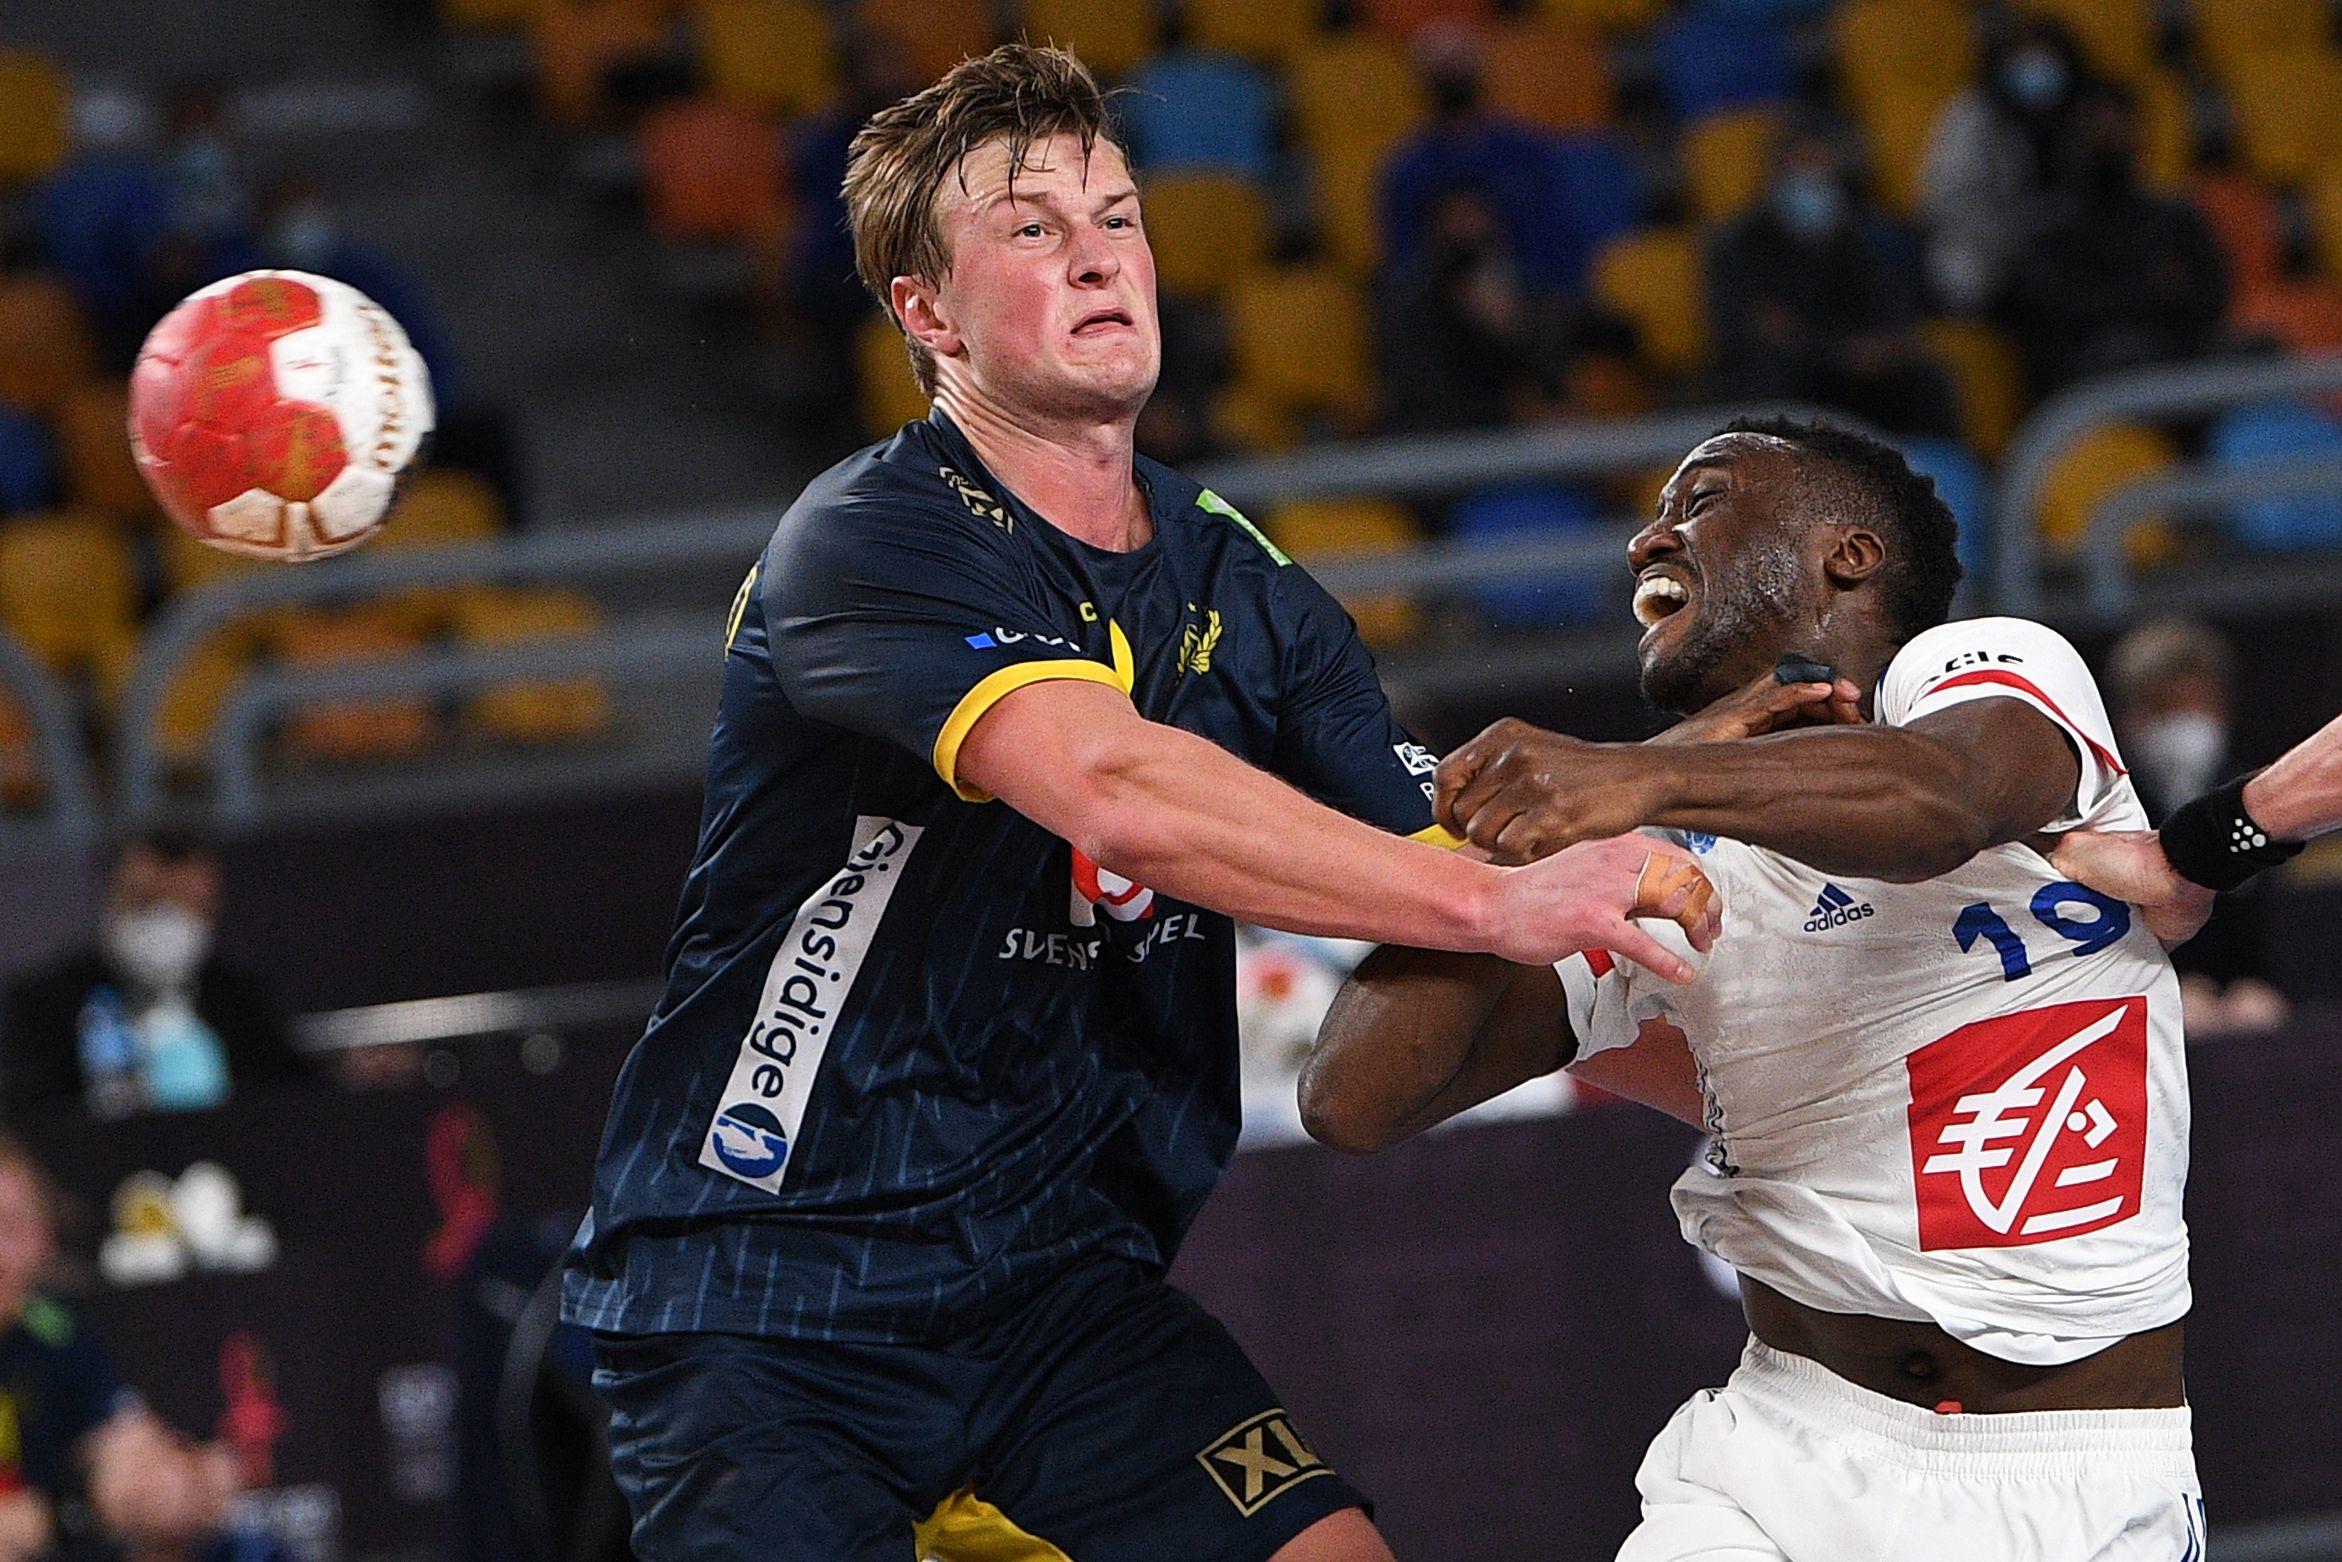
(28, 468)
(1766, 10)
(1961, 483)
(1194, 108)
(1711, 59)
(2277, 433)
(1539, 601)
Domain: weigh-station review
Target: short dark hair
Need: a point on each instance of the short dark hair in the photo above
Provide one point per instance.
(1869, 481)
(173, 839)
(901, 157)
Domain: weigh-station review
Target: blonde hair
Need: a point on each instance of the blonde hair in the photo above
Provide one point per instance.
(900, 158)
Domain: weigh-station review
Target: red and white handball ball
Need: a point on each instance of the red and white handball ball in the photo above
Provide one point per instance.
(272, 414)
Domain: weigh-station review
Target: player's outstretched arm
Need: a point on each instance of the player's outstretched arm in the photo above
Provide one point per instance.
(2299, 798)
(1182, 815)
(1895, 803)
(1416, 1036)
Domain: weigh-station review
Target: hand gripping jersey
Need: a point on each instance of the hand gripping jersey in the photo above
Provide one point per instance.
(1962, 1101)
(916, 1055)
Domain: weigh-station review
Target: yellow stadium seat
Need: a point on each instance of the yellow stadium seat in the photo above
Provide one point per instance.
(769, 56)
(1988, 381)
(2091, 470)
(1550, 72)
(20, 759)
(1300, 342)
(1348, 189)
(889, 393)
(2283, 105)
(2322, 202)
(2167, 137)
(577, 43)
(2117, 37)
(192, 704)
(1316, 531)
(188, 564)
(1726, 159)
(1111, 36)
(1353, 91)
(1205, 229)
(442, 505)
(34, 97)
(1918, 52)
(1895, 131)
(1269, 30)
(95, 452)
(352, 731)
(933, 35)
(68, 588)
(45, 349)
(1610, 16)
(1653, 278)
(563, 711)
(2230, 32)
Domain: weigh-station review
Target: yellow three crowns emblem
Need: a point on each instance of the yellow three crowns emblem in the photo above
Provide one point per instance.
(1195, 645)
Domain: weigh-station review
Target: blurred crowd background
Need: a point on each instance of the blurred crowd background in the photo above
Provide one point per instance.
(365, 867)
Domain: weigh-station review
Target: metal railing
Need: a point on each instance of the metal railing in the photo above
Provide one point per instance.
(2176, 390)
(186, 621)
(70, 815)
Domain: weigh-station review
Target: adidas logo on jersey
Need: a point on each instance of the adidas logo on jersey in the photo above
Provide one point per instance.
(1836, 908)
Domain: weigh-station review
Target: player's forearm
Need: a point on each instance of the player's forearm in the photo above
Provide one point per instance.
(1411, 1040)
(1868, 802)
(1180, 814)
(2300, 796)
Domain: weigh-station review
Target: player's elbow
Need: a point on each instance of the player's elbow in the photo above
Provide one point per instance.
(1335, 1111)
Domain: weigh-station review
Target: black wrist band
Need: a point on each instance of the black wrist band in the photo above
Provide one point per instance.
(2214, 842)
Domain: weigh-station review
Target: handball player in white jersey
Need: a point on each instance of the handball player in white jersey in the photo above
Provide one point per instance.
(1944, 1084)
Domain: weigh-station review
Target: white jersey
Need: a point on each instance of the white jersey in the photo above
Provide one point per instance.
(1962, 1101)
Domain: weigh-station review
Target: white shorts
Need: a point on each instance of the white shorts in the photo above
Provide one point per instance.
(1788, 1462)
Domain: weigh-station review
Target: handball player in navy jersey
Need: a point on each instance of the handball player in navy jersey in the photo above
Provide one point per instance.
(1012, 722)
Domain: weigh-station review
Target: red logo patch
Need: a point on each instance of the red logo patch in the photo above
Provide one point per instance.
(2031, 1127)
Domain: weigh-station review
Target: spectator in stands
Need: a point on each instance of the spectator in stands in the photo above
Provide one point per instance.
(2118, 276)
(1807, 302)
(1512, 167)
(1461, 337)
(2170, 684)
(1994, 155)
(86, 1468)
(148, 1016)
(100, 218)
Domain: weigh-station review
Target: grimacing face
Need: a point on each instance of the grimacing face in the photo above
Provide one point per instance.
(1720, 575)
(1048, 305)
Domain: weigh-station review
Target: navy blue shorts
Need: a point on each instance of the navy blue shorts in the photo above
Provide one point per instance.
(1113, 1420)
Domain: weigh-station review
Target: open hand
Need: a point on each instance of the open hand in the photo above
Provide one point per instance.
(2130, 865)
(1586, 896)
(1769, 705)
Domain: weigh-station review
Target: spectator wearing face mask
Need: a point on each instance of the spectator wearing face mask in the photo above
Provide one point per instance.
(1808, 303)
(2170, 684)
(1462, 339)
(148, 1016)
(1993, 155)
(2119, 276)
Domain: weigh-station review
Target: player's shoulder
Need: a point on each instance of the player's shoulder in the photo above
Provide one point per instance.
(2017, 652)
(1191, 517)
(907, 489)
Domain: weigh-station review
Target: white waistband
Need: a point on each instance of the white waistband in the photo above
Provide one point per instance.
(2157, 1443)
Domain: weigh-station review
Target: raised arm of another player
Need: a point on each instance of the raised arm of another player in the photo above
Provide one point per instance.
(1415, 1036)
(1963, 761)
(1182, 815)
(2292, 802)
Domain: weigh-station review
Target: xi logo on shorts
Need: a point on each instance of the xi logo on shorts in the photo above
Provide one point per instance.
(2031, 1127)
(1255, 1461)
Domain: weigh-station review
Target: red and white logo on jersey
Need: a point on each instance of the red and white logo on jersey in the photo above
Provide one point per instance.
(2031, 1127)
(1095, 887)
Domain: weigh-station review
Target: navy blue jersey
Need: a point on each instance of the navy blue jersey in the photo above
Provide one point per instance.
(56, 1388)
(915, 1053)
